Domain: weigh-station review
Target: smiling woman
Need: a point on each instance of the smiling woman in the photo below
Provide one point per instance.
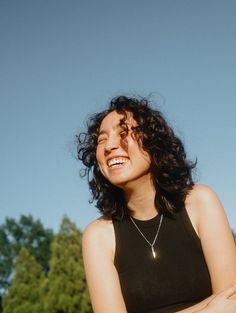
(120, 158)
(159, 243)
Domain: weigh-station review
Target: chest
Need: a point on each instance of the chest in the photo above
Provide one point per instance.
(177, 275)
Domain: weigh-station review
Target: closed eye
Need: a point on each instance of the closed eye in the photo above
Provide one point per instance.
(123, 134)
(101, 139)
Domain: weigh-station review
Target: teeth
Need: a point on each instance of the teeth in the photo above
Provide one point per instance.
(116, 161)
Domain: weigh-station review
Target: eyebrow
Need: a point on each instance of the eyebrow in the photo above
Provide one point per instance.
(102, 132)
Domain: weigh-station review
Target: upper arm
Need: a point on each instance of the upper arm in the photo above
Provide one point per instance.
(102, 277)
(216, 238)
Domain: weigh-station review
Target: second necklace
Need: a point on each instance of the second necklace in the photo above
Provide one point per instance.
(155, 238)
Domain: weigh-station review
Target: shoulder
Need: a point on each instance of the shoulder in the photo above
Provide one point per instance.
(98, 229)
(203, 198)
(208, 216)
(98, 255)
(99, 233)
(202, 204)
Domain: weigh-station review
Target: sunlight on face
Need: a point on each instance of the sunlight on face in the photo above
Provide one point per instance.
(120, 156)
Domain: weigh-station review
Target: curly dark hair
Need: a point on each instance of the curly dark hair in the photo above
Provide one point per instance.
(171, 171)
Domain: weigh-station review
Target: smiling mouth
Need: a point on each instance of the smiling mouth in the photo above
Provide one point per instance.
(115, 162)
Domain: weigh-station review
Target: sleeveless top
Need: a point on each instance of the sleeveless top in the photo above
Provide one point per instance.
(176, 279)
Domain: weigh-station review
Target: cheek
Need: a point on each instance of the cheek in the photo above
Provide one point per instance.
(144, 157)
(99, 158)
(137, 150)
(147, 157)
(98, 154)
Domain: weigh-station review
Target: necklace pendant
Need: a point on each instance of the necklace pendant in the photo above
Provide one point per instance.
(151, 244)
(153, 253)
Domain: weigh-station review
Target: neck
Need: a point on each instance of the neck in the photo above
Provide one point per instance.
(141, 200)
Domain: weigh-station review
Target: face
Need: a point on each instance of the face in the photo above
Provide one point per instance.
(120, 157)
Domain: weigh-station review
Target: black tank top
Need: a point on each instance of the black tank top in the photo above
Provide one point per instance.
(175, 280)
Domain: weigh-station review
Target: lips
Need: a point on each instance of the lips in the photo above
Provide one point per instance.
(116, 161)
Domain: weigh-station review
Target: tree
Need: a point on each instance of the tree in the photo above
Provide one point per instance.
(23, 295)
(6, 259)
(14, 235)
(66, 290)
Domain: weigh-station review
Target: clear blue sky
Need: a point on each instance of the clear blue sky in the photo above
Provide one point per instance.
(63, 60)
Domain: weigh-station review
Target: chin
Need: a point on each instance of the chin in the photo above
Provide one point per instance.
(123, 184)
(119, 183)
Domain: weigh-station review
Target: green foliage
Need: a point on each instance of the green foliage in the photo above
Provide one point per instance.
(26, 233)
(6, 259)
(23, 295)
(34, 289)
(66, 289)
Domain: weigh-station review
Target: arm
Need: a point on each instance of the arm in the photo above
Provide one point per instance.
(225, 302)
(210, 222)
(98, 254)
(216, 237)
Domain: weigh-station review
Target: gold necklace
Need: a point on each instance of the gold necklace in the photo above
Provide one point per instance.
(155, 238)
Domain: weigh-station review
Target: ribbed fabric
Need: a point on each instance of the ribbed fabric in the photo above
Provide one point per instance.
(176, 279)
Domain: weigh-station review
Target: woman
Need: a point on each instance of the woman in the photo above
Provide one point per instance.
(163, 244)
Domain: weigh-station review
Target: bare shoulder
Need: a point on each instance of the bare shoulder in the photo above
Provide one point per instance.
(98, 227)
(99, 233)
(202, 198)
(212, 226)
(202, 193)
(98, 254)
(202, 203)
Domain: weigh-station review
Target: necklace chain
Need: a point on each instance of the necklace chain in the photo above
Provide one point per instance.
(144, 237)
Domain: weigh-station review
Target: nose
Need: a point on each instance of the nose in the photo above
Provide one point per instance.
(112, 143)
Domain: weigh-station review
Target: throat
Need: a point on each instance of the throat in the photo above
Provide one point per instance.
(145, 215)
(143, 208)
(141, 199)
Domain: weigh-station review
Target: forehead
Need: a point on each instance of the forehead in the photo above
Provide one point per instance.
(112, 120)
